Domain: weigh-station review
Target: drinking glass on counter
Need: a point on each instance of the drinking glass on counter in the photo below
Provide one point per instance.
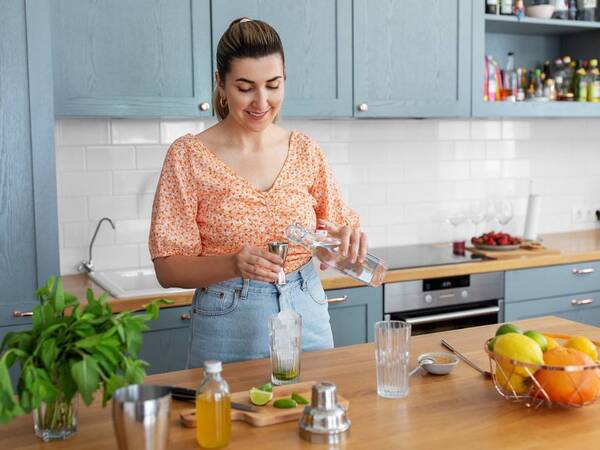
(392, 353)
(285, 346)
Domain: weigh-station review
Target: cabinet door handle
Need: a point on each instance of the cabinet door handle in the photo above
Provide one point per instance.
(204, 106)
(583, 271)
(587, 301)
(337, 300)
(186, 316)
(22, 313)
(363, 107)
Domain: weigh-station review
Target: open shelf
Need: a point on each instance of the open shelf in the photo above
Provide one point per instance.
(536, 109)
(532, 26)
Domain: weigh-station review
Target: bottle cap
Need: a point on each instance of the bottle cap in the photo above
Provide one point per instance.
(213, 366)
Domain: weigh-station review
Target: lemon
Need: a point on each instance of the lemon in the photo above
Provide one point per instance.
(551, 343)
(260, 398)
(508, 328)
(539, 338)
(515, 382)
(520, 348)
(584, 345)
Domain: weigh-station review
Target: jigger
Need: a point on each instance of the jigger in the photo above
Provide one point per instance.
(280, 248)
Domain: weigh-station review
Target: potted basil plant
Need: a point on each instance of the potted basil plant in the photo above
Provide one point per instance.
(72, 350)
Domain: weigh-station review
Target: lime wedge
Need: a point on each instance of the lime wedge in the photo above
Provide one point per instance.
(284, 403)
(267, 387)
(299, 399)
(260, 398)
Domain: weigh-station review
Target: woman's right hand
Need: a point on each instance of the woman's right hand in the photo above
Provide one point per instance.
(257, 264)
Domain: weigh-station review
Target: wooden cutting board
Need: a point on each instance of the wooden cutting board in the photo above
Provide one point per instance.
(268, 414)
(514, 254)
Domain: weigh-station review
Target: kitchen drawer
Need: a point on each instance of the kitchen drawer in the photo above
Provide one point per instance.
(352, 321)
(552, 281)
(7, 313)
(584, 308)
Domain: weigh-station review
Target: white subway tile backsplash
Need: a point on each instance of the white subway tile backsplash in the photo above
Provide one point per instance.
(110, 158)
(84, 183)
(70, 158)
(139, 182)
(126, 131)
(172, 129)
(403, 177)
(82, 132)
(150, 156)
(115, 207)
(72, 209)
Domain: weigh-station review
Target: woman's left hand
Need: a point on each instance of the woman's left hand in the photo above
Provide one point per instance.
(353, 242)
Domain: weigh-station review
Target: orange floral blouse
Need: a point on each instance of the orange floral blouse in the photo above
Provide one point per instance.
(202, 207)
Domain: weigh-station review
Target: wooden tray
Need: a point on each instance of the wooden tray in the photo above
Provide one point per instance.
(513, 254)
(268, 414)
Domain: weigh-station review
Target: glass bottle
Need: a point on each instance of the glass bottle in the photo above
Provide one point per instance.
(491, 6)
(581, 85)
(213, 408)
(593, 82)
(510, 79)
(507, 7)
(572, 11)
(371, 271)
(586, 10)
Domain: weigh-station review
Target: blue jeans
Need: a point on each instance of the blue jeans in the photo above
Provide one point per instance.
(229, 319)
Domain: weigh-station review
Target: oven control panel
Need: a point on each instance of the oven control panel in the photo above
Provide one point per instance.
(444, 291)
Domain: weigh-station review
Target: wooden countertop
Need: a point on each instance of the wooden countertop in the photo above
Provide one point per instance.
(575, 247)
(457, 411)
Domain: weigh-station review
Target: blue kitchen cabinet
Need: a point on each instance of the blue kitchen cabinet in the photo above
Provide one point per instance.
(165, 345)
(412, 58)
(317, 41)
(352, 321)
(28, 217)
(132, 58)
(571, 291)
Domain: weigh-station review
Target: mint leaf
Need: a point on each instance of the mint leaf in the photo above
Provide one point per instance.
(85, 374)
(49, 353)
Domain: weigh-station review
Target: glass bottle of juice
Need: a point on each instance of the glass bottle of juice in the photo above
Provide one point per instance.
(213, 408)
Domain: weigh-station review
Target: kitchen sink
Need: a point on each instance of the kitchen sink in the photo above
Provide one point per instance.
(128, 283)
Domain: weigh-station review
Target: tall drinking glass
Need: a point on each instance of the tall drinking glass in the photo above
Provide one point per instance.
(392, 352)
(285, 345)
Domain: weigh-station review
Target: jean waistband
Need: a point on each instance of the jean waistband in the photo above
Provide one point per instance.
(303, 274)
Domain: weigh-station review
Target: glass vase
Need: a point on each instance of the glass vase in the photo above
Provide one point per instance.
(56, 420)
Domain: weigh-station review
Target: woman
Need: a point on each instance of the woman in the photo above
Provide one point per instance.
(225, 193)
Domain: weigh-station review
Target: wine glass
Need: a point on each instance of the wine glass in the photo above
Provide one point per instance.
(457, 215)
(477, 213)
(504, 211)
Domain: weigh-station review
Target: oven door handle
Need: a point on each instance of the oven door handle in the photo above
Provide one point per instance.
(453, 315)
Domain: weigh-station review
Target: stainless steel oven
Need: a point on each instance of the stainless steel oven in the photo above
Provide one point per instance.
(447, 303)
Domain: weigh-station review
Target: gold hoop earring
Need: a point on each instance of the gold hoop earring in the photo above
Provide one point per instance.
(223, 102)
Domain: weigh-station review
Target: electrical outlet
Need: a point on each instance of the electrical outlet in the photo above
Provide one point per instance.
(583, 214)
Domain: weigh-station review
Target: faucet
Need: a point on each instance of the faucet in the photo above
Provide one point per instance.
(88, 266)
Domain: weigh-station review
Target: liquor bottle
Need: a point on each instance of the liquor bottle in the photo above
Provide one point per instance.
(491, 6)
(581, 88)
(572, 11)
(371, 271)
(593, 82)
(213, 408)
(510, 80)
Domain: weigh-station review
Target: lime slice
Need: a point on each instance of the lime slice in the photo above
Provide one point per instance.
(267, 387)
(260, 398)
(284, 403)
(299, 399)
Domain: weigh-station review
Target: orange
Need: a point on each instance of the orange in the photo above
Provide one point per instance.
(575, 388)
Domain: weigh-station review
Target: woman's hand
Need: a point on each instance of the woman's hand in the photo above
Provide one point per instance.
(353, 242)
(257, 264)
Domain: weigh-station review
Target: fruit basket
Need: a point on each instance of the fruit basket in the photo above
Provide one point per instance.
(566, 379)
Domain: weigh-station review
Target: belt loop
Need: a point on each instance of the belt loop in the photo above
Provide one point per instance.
(245, 286)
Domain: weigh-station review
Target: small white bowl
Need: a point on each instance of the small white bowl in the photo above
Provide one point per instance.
(438, 368)
(540, 11)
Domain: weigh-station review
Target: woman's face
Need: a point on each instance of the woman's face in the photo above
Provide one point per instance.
(254, 89)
